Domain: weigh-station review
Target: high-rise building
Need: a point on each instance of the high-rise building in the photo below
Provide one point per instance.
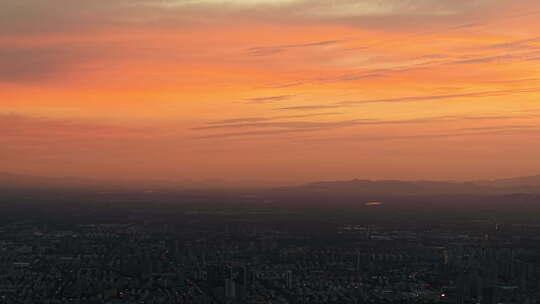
(242, 276)
(489, 295)
(213, 276)
(180, 276)
(461, 288)
(230, 288)
(289, 278)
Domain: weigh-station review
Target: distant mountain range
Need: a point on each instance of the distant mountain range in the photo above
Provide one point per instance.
(527, 185)
(513, 182)
(19, 181)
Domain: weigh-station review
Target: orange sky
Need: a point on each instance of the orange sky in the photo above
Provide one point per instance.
(273, 90)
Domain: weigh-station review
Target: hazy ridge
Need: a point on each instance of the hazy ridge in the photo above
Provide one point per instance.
(526, 184)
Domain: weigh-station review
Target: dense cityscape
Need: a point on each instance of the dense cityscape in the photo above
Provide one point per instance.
(249, 249)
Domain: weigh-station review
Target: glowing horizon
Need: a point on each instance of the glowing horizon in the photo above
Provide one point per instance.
(285, 90)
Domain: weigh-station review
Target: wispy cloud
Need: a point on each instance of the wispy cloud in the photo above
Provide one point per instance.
(22, 126)
(505, 127)
(467, 25)
(480, 94)
(302, 126)
(254, 133)
(516, 43)
(270, 98)
(348, 77)
(437, 135)
(271, 50)
(285, 124)
(352, 138)
(464, 132)
(484, 59)
(309, 107)
(522, 80)
(315, 125)
(259, 119)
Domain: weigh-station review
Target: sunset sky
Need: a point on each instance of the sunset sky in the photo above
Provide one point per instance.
(270, 90)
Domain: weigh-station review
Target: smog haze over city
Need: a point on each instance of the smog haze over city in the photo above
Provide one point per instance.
(269, 151)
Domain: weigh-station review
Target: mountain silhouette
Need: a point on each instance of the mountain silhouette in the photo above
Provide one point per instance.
(528, 184)
(398, 187)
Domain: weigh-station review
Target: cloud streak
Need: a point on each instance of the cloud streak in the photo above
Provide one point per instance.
(259, 119)
(270, 98)
(480, 94)
(308, 108)
(271, 50)
(21, 125)
(302, 126)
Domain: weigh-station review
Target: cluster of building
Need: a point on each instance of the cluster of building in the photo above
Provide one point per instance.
(139, 263)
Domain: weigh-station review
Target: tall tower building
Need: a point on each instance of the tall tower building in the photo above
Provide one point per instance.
(289, 279)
